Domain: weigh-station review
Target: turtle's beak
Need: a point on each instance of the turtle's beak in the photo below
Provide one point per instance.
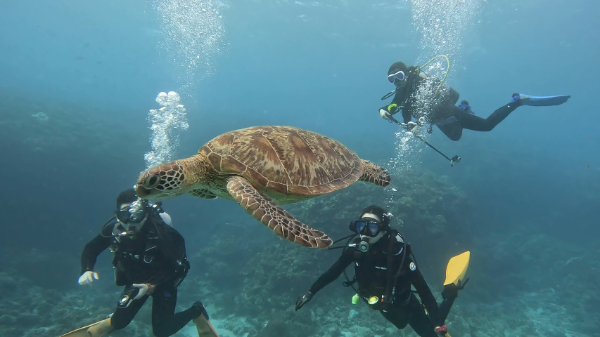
(141, 191)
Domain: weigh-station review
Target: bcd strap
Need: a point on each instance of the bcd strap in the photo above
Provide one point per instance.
(152, 243)
(392, 278)
(350, 282)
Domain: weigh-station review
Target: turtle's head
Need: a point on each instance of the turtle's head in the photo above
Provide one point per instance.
(162, 181)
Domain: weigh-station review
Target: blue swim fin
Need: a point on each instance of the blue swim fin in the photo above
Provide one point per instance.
(540, 100)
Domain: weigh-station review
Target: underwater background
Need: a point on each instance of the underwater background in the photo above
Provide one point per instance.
(78, 81)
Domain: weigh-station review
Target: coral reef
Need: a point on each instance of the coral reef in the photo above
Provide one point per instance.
(48, 127)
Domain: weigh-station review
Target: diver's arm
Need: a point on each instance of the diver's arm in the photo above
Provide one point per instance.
(427, 298)
(406, 116)
(397, 103)
(336, 270)
(91, 251)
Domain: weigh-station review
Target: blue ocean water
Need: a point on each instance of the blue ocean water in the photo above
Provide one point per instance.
(78, 79)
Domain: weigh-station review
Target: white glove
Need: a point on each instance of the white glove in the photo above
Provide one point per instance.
(143, 290)
(87, 278)
(384, 114)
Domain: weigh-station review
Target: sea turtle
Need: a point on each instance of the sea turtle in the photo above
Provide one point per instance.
(262, 165)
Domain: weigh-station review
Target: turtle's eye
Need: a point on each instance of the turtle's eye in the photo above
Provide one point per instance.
(151, 181)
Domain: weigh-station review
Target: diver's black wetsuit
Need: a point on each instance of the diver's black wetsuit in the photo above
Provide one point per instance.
(447, 116)
(156, 255)
(371, 271)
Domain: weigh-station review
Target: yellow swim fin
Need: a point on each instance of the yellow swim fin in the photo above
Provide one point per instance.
(457, 268)
(205, 328)
(97, 329)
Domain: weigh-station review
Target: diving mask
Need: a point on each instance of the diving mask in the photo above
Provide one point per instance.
(135, 213)
(367, 227)
(370, 231)
(399, 76)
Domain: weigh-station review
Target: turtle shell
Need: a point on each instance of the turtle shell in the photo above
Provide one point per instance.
(284, 161)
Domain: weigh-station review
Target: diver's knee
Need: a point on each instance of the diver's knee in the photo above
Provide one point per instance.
(160, 330)
(119, 324)
(488, 127)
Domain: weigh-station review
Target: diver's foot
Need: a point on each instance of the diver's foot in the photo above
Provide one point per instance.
(200, 309)
(464, 105)
(519, 97)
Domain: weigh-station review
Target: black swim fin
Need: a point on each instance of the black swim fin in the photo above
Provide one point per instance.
(540, 100)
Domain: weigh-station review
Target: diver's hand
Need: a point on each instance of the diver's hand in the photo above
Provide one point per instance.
(143, 289)
(302, 300)
(441, 331)
(451, 290)
(87, 278)
(411, 126)
(385, 115)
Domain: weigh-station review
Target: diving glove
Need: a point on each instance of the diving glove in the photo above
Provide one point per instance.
(411, 127)
(384, 114)
(302, 300)
(143, 289)
(87, 278)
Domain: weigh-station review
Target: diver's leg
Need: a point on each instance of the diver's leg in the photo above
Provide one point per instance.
(127, 308)
(418, 320)
(399, 313)
(397, 316)
(165, 322)
(475, 123)
(452, 130)
(445, 307)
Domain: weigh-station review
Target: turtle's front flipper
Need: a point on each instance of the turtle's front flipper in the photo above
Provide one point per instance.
(374, 174)
(273, 216)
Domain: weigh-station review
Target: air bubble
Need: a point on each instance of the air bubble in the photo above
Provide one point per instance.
(164, 122)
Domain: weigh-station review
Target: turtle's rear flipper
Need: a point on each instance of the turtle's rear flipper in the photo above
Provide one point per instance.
(273, 216)
(374, 174)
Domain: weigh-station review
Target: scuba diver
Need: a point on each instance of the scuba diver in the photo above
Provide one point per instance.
(385, 273)
(149, 260)
(444, 113)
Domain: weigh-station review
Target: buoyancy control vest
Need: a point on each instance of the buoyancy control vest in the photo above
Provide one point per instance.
(152, 248)
(377, 271)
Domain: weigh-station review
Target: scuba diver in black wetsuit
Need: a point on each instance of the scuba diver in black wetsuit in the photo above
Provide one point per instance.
(385, 273)
(444, 113)
(149, 260)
